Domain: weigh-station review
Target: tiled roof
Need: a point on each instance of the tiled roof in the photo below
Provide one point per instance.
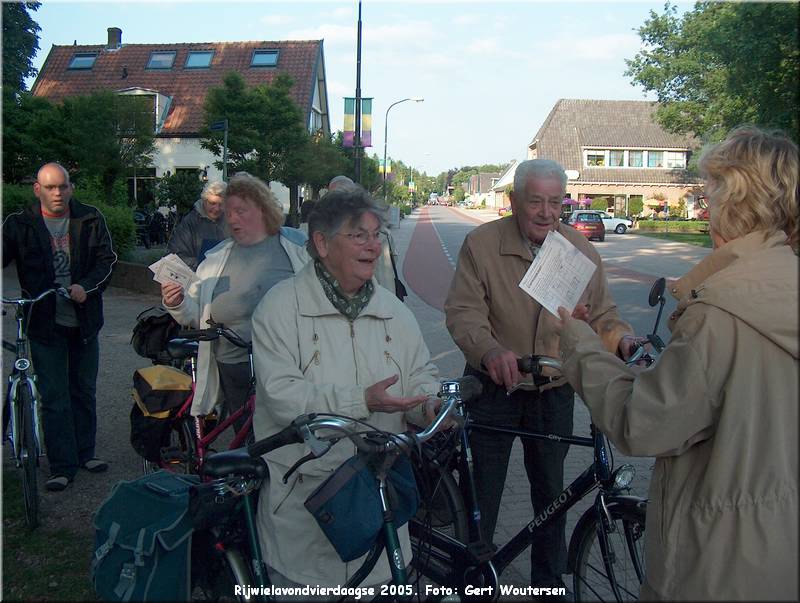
(187, 87)
(574, 124)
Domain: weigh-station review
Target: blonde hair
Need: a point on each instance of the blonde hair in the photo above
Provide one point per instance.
(752, 184)
(256, 191)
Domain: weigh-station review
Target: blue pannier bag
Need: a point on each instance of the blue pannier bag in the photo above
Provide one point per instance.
(347, 505)
(143, 540)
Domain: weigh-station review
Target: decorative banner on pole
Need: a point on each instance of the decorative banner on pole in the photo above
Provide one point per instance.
(387, 169)
(366, 122)
(349, 132)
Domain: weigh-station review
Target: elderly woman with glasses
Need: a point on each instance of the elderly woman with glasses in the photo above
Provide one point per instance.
(719, 408)
(330, 340)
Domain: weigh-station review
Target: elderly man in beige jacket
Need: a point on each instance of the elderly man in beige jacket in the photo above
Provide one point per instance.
(494, 322)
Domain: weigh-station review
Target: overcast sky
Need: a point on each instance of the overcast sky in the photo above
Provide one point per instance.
(489, 71)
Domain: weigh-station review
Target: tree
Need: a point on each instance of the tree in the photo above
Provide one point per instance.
(107, 134)
(181, 189)
(720, 65)
(20, 43)
(265, 127)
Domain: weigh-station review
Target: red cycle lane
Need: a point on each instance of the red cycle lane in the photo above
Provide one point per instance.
(426, 268)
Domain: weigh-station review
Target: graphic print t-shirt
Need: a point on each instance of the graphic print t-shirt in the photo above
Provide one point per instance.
(59, 242)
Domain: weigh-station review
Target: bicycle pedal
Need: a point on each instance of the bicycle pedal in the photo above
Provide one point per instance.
(481, 551)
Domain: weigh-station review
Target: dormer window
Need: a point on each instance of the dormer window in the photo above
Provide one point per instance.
(264, 58)
(161, 59)
(199, 59)
(83, 60)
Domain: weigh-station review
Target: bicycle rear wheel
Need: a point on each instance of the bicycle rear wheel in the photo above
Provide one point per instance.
(592, 580)
(178, 449)
(30, 455)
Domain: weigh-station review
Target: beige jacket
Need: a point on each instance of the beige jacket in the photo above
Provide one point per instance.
(719, 411)
(485, 307)
(310, 358)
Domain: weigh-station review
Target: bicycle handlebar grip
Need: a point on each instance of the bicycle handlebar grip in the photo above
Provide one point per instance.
(286, 436)
(198, 334)
(528, 364)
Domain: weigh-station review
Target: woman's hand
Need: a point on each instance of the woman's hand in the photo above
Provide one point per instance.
(379, 400)
(172, 294)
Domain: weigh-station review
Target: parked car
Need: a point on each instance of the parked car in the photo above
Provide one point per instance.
(612, 224)
(503, 210)
(589, 224)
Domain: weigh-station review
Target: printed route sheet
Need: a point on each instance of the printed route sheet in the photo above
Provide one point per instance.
(172, 269)
(558, 275)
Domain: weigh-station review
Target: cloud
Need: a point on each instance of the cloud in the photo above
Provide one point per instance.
(469, 19)
(593, 48)
(276, 19)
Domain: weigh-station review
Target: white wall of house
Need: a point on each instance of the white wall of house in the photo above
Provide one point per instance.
(172, 153)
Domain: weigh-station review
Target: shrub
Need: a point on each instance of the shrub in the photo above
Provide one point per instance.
(121, 226)
(673, 226)
(16, 197)
(119, 218)
(89, 190)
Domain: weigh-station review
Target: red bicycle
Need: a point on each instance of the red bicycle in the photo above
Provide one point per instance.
(190, 438)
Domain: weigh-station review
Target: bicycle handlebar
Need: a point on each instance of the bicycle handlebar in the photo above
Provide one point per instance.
(212, 333)
(22, 301)
(304, 427)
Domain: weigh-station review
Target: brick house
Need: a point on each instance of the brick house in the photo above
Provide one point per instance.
(614, 150)
(177, 77)
(478, 187)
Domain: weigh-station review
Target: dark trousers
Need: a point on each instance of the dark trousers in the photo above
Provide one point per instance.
(549, 411)
(234, 380)
(66, 368)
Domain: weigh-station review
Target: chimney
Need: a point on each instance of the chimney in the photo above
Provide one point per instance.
(114, 38)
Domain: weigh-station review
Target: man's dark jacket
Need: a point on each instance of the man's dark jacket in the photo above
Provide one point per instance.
(27, 240)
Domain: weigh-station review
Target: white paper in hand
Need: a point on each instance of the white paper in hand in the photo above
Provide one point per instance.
(558, 275)
(172, 269)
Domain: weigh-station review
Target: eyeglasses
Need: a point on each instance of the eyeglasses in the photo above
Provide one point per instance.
(361, 237)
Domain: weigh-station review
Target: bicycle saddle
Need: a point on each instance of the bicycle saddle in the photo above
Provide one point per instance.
(179, 349)
(234, 462)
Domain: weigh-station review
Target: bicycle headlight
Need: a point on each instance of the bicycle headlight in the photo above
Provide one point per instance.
(22, 364)
(624, 476)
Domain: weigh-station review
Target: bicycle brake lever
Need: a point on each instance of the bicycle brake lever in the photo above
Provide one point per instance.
(310, 456)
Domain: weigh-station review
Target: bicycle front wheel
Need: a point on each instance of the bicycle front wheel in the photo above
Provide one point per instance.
(29, 452)
(593, 578)
(441, 505)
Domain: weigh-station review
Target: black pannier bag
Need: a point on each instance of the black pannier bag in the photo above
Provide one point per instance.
(154, 328)
(159, 392)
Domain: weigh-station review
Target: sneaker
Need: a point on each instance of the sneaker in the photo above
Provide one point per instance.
(95, 466)
(57, 483)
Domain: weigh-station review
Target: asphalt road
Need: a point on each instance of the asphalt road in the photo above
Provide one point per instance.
(428, 242)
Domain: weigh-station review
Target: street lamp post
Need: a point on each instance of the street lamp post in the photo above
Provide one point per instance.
(416, 99)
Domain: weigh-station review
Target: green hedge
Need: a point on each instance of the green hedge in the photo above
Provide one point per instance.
(119, 219)
(673, 225)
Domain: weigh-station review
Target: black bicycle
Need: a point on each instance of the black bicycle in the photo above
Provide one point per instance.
(606, 550)
(21, 407)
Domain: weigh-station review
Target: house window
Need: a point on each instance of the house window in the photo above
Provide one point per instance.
(616, 158)
(655, 159)
(83, 60)
(198, 59)
(635, 159)
(264, 58)
(161, 59)
(676, 159)
(595, 158)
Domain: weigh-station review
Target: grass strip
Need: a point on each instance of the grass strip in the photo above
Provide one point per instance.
(46, 564)
(692, 238)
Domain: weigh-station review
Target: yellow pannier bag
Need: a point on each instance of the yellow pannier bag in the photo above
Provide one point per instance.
(158, 389)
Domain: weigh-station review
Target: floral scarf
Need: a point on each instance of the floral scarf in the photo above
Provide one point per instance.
(350, 307)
